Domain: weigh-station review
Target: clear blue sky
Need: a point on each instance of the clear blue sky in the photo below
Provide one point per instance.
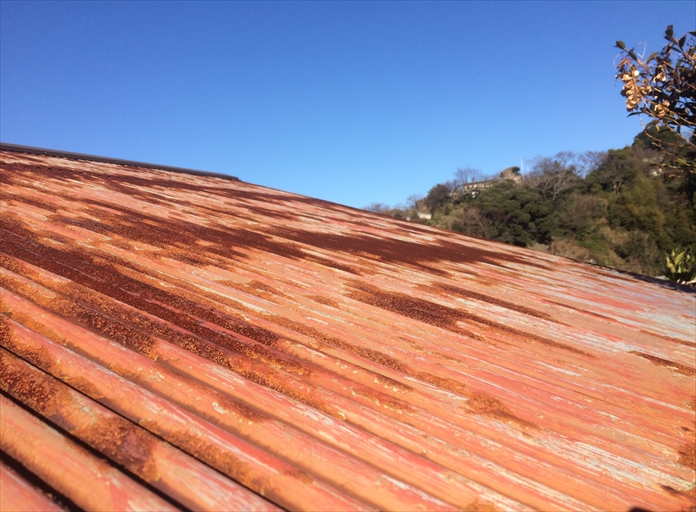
(353, 102)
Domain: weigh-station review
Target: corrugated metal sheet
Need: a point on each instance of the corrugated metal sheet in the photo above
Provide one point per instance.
(180, 341)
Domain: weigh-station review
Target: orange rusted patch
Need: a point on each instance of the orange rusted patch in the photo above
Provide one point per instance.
(393, 250)
(468, 294)
(444, 316)
(324, 300)
(52, 208)
(112, 320)
(326, 262)
(443, 382)
(692, 403)
(480, 506)
(121, 250)
(303, 477)
(114, 437)
(38, 357)
(373, 355)
(89, 318)
(418, 309)
(481, 403)
(687, 455)
(305, 395)
(40, 394)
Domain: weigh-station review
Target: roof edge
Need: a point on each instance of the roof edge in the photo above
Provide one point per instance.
(82, 156)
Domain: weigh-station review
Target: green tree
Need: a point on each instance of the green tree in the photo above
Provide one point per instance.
(437, 196)
(618, 169)
(516, 215)
(663, 87)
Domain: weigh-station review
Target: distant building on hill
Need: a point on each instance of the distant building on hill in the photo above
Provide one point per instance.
(475, 187)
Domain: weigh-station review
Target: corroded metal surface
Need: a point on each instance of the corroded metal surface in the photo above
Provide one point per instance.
(218, 345)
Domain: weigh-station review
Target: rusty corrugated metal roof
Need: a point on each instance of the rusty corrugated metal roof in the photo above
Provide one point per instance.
(174, 340)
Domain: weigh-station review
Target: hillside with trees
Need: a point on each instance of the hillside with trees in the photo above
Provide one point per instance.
(625, 208)
(632, 208)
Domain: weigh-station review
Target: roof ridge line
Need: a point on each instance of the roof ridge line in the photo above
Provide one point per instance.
(4, 146)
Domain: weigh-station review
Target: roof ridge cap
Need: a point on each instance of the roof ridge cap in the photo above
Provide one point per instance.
(4, 146)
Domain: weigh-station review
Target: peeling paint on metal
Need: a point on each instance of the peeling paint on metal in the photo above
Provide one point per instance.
(201, 339)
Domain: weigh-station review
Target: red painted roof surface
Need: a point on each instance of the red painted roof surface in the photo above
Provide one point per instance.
(171, 340)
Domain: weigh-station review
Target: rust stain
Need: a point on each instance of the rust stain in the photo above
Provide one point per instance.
(457, 372)
(481, 403)
(116, 438)
(669, 338)
(324, 300)
(687, 455)
(480, 506)
(303, 477)
(468, 294)
(658, 361)
(443, 316)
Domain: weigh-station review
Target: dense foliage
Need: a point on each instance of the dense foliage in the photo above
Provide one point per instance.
(632, 208)
(626, 208)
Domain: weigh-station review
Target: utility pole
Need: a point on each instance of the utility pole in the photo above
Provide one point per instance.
(522, 167)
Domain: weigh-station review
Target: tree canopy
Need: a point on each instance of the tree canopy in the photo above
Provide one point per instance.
(623, 208)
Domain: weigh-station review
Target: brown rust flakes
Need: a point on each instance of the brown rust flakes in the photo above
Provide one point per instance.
(380, 358)
(275, 381)
(303, 477)
(222, 403)
(38, 393)
(376, 357)
(86, 387)
(397, 251)
(85, 316)
(225, 462)
(110, 319)
(687, 455)
(38, 203)
(203, 348)
(417, 309)
(452, 385)
(658, 361)
(480, 506)
(38, 357)
(324, 300)
(372, 355)
(544, 341)
(113, 436)
(12, 223)
(380, 399)
(5, 332)
(468, 294)
(443, 316)
(481, 403)
(326, 262)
